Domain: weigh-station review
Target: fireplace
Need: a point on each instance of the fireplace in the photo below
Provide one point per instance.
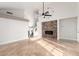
(49, 29)
(49, 32)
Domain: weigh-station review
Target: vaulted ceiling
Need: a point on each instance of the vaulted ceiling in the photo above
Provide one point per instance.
(19, 5)
(25, 9)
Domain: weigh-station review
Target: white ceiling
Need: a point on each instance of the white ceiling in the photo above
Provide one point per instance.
(24, 5)
(18, 8)
(28, 7)
(19, 5)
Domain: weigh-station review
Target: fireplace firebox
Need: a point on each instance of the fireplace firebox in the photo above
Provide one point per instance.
(49, 32)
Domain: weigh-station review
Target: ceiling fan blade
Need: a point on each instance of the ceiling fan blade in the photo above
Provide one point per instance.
(48, 15)
(47, 12)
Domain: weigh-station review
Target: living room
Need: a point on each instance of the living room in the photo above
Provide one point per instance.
(31, 27)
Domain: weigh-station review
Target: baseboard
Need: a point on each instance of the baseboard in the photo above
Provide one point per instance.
(3, 43)
(69, 40)
(77, 40)
(35, 38)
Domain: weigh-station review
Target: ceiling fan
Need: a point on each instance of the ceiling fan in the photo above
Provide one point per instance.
(45, 13)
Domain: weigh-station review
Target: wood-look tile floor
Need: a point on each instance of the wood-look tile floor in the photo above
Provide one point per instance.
(41, 47)
(63, 48)
(23, 48)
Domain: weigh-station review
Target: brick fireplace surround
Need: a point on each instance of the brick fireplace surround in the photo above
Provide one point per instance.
(49, 29)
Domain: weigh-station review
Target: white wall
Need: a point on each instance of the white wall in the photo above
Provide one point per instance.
(78, 29)
(78, 22)
(68, 29)
(28, 14)
(12, 30)
(61, 10)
